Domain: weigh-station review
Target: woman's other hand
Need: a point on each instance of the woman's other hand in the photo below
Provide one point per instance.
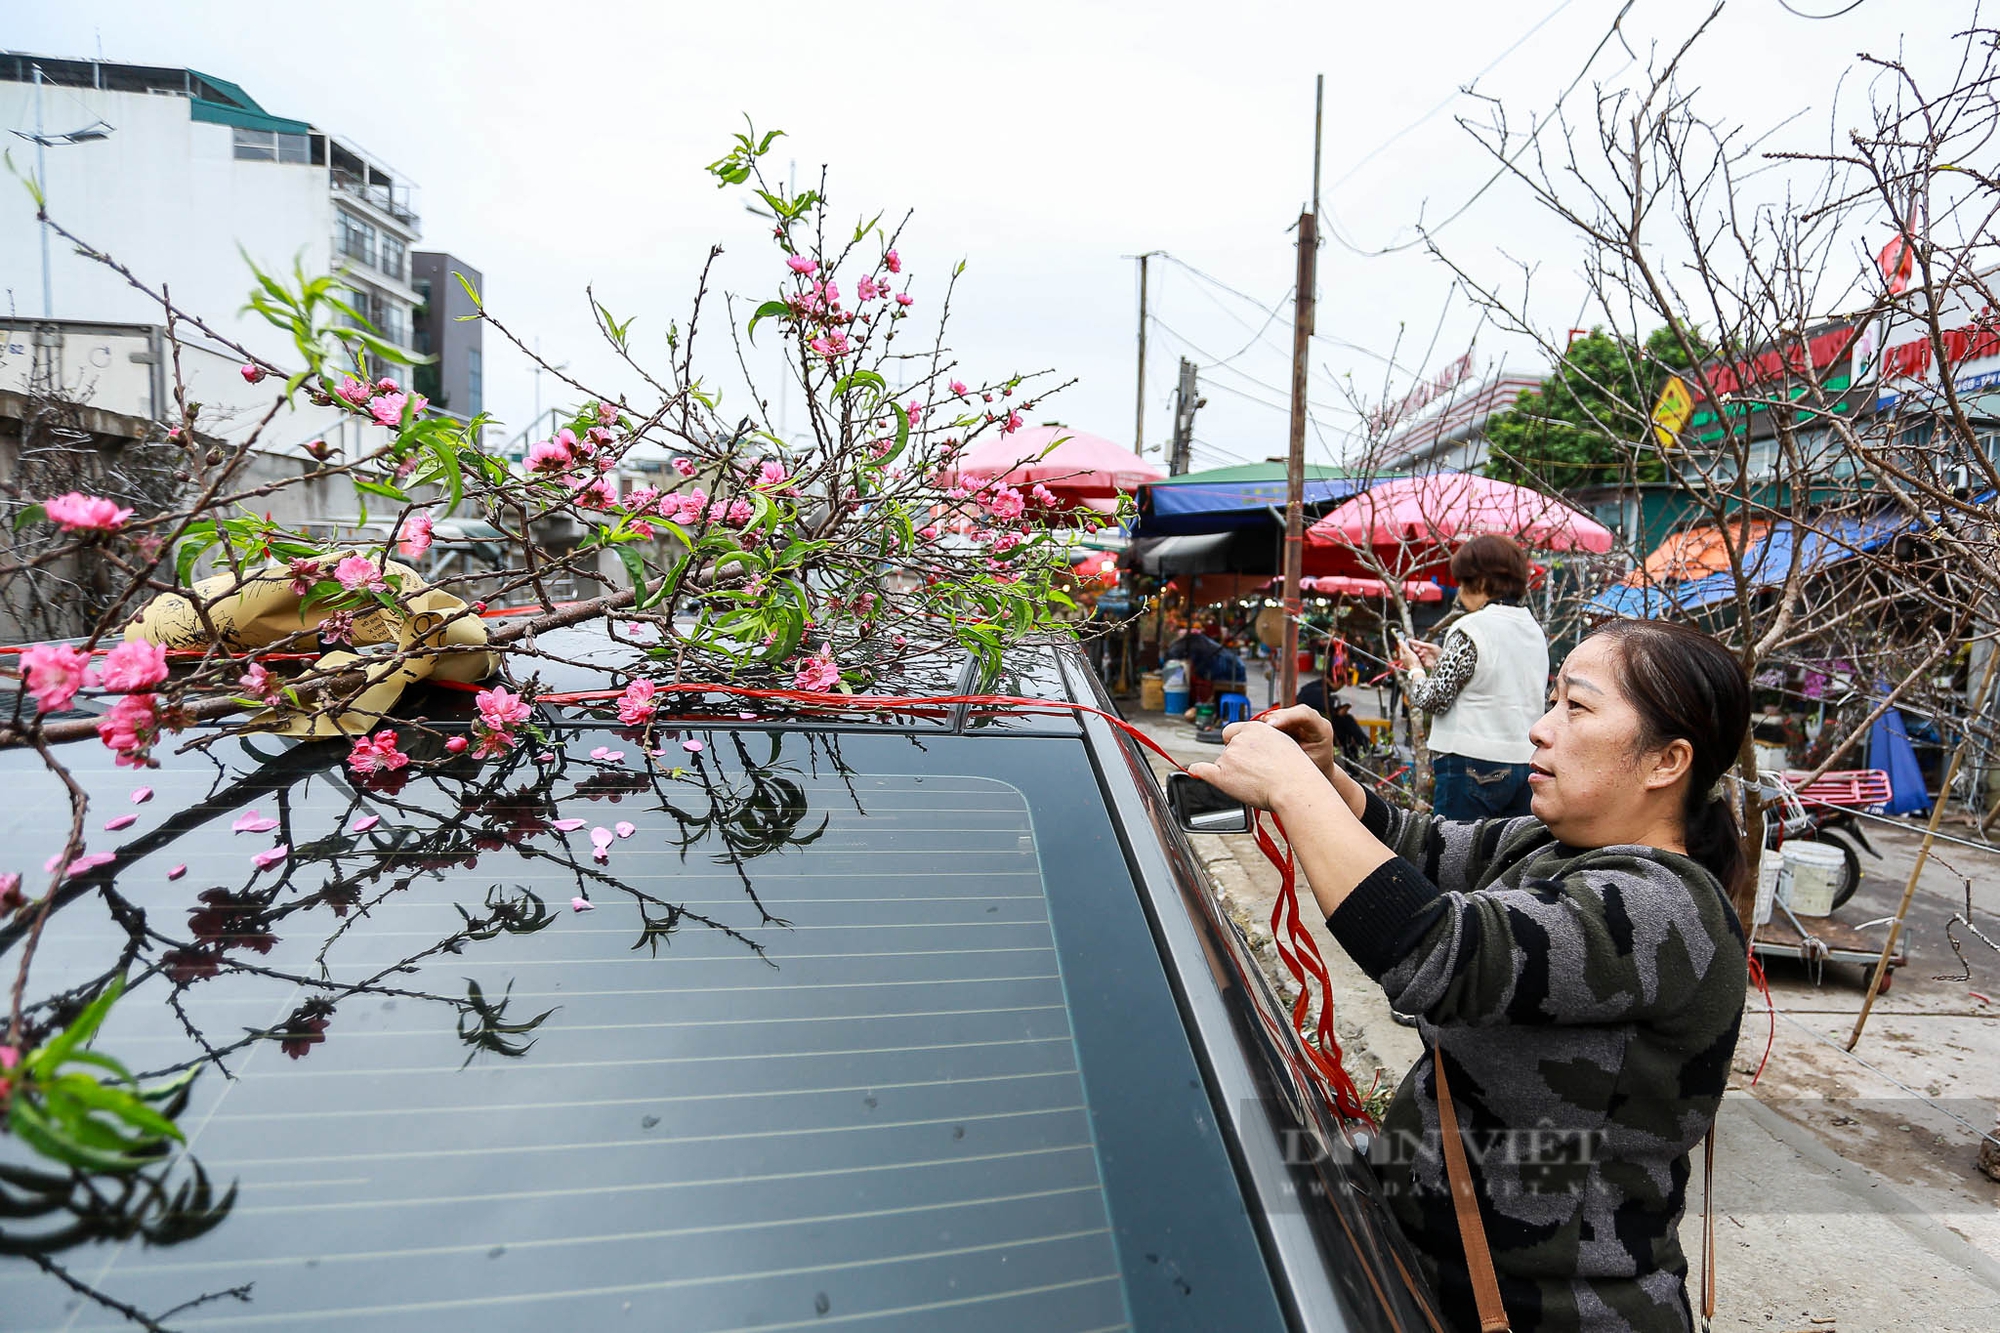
(1426, 651)
(1262, 766)
(1315, 736)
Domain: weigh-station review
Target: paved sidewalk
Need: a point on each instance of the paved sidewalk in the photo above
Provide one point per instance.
(1804, 1234)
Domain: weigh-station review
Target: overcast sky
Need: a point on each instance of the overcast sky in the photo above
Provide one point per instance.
(556, 145)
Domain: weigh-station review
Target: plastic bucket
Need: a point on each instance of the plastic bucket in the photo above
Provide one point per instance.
(1811, 874)
(1174, 676)
(1176, 702)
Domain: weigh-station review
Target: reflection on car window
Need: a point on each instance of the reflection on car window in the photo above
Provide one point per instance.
(806, 1052)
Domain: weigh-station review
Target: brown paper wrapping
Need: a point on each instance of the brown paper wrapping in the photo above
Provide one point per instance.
(263, 610)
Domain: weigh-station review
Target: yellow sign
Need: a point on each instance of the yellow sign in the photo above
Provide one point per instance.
(1672, 413)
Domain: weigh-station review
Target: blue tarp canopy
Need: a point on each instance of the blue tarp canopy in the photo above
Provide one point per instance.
(1767, 564)
(1230, 498)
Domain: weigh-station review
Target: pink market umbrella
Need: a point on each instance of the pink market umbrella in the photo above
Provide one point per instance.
(1415, 522)
(1346, 585)
(1082, 467)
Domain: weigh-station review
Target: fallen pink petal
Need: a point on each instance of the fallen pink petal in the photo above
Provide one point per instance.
(252, 822)
(600, 752)
(123, 821)
(567, 825)
(142, 795)
(624, 828)
(366, 822)
(266, 859)
(602, 836)
(693, 747)
(582, 905)
(83, 865)
(177, 872)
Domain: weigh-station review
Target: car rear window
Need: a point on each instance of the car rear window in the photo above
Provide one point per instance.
(858, 1029)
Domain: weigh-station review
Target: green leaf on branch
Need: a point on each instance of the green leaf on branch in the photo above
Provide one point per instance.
(769, 309)
(32, 514)
(861, 379)
(73, 1117)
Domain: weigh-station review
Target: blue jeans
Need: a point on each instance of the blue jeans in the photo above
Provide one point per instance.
(1471, 789)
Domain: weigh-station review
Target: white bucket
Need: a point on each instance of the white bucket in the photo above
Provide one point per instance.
(1174, 674)
(1767, 887)
(1811, 874)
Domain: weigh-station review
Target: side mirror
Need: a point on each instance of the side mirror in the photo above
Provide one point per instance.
(1200, 808)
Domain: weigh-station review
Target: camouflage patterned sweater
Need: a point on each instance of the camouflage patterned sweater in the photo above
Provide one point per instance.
(1586, 1006)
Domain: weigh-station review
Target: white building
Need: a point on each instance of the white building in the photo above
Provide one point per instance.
(178, 175)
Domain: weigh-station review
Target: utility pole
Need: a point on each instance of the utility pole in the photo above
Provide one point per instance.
(42, 184)
(1139, 413)
(1186, 402)
(1295, 462)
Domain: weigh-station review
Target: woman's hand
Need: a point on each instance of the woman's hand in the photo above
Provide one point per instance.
(1427, 652)
(1266, 768)
(1315, 736)
(1262, 766)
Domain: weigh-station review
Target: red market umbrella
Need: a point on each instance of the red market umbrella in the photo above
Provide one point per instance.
(1097, 567)
(1414, 523)
(1081, 466)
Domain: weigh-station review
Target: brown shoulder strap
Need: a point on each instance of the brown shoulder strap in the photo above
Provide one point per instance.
(1708, 1226)
(1471, 1232)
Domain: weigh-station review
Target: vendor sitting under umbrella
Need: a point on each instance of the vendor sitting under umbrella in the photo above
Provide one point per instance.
(1208, 659)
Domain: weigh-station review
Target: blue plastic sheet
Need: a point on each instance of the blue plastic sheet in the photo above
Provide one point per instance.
(1186, 509)
(1767, 564)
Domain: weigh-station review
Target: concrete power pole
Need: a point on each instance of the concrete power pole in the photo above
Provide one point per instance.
(1295, 462)
(1139, 413)
(1186, 402)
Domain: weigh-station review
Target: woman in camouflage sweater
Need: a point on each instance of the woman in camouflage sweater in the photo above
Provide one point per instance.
(1580, 973)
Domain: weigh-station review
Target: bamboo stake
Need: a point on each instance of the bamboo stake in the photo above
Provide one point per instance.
(1924, 852)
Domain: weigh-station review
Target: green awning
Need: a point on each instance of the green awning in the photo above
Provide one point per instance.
(220, 113)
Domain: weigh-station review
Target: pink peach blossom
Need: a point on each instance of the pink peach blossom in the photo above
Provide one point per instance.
(416, 534)
(388, 408)
(817, 674)
(130, 728)
(76, 512)
(637, 705)
(358, 572)
(253, 374)
(549, 458)
(801, 265)
(376, 754)
(905, 299)
(137, 665)
(54, 672)
(456, 745)
(304, 574)
(353, 391)
(259, 684)
(892, 261)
